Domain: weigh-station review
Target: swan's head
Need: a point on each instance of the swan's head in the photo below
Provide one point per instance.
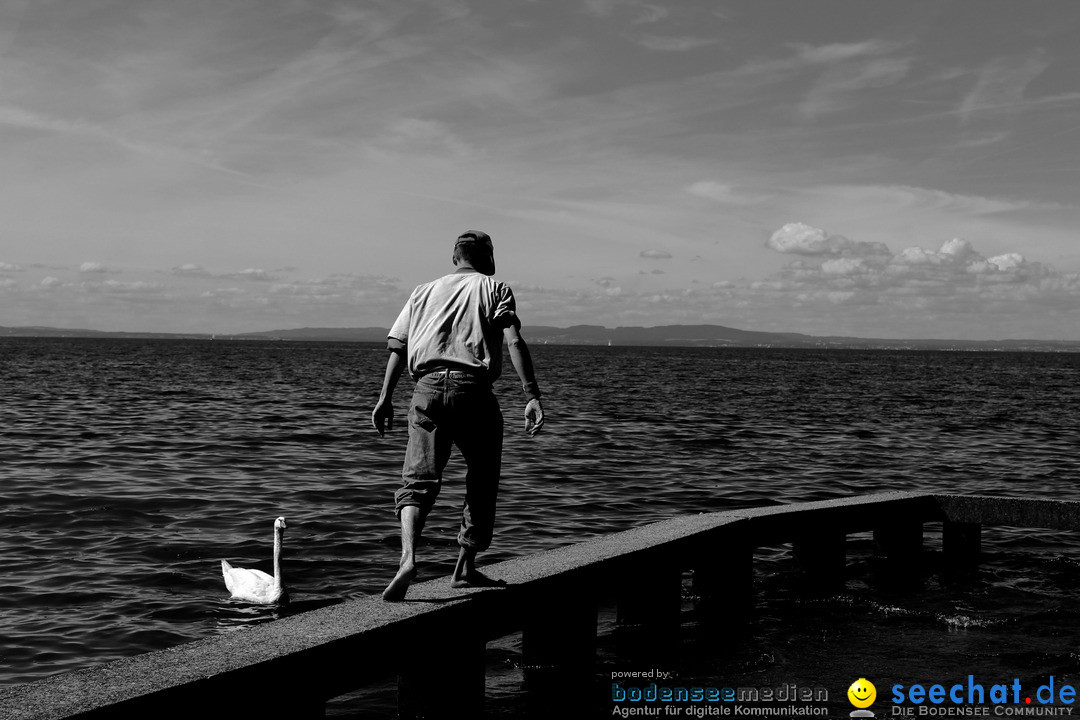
(279, 524)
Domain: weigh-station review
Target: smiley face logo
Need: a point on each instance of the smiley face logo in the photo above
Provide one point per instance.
(862, 693)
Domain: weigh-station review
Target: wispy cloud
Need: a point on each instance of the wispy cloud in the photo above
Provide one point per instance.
(682, 43)
(1000, 86)
(836, 88)
(726, 193)
(413, 135)
(839, 52)
(901, 198)
(801, 56)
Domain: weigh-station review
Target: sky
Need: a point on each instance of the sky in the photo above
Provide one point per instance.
(835, 167)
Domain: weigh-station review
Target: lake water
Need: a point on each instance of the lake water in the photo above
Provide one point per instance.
(129, 468)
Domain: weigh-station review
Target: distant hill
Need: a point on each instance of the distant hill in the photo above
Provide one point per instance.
(720, 336)
(37, 331)
(576, 335)
(662, 335)
(364, 334)
(709, 335)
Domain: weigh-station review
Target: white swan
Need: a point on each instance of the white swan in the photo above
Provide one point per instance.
(255, 585)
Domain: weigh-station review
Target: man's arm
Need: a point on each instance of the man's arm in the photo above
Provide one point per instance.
(522, 361)
(383, 414)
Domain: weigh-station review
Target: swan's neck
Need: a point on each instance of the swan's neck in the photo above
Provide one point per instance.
(277, 557)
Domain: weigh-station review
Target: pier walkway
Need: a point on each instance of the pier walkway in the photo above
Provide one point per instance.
(291, 667)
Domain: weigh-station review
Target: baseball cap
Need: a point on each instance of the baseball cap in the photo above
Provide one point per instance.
(474, 236)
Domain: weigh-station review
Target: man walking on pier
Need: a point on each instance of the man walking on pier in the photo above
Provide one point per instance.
(449, 335)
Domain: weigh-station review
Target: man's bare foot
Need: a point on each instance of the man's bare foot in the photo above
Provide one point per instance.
(395, 591)
(474, 578)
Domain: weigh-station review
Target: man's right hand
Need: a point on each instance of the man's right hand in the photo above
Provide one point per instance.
(534, 417)
(383, 414)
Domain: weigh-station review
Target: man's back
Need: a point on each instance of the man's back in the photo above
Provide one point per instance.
(456, 321)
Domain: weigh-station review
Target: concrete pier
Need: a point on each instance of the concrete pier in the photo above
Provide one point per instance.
(318, 655)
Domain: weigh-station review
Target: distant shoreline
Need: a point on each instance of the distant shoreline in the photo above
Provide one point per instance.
(660, 336)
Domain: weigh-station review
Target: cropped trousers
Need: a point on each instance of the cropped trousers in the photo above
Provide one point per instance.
(453, 407)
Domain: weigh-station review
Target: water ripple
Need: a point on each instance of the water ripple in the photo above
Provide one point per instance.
(128, 469)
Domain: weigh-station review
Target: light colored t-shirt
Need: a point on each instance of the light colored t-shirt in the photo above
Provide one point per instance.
(456, 321)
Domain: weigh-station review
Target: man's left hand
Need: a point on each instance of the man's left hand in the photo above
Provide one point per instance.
(383, 414)
(534, 417)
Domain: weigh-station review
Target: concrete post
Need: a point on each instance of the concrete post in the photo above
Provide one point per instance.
(443, 671)
(900, 541)
(961, 542)
(651, 595)
(648, 605)
(558, 646)
(723, 580)
(821, 555)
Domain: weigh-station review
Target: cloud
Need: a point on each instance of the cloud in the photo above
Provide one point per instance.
(340, 289)
(8, 267)
(837, 52)
(635, 15)
(256, 274)
(24, 119)
(655, 255)
(684, 43)
(365, 283)
(8, 284)
(725, 193)
(954, 280)
(954, 252)
(905, 198)
(643, 13)
(20, 118)
(90, 268)
(844, 266)
(189, 270)
(223, 292)
(651, 14)
(1008, 261)
(1000, 85)
(417, 136)
(50, 282)
(117, 287)
(820, 295)
(814, 57)
(835, 89)
(828, 78)
(801, 239)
